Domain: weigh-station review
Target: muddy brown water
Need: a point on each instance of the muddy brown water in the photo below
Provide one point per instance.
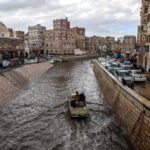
(38, 118)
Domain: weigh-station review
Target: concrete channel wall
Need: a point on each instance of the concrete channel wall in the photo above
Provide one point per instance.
(13, 81)
(132, 111)
(78, 57)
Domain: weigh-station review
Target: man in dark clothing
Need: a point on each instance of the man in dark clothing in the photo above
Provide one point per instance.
(82, 99)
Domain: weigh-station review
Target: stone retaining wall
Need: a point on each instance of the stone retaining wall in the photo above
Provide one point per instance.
(13, 81)
(132, 110)
(78, 57)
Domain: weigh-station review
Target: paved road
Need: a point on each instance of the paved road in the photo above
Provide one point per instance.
(38, 118)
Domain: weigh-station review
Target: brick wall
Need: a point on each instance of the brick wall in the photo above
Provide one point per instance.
(132, 110)
(13, 81)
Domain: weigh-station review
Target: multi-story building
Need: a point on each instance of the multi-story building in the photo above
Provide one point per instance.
(144, 35)
(61, 24)
(125, 45)
(61, 39)
(36, 38)
(110, 40)
(19, 34)
(94, 43)
(11, 32)
(59, 42)
(129, 44)
(79, 37)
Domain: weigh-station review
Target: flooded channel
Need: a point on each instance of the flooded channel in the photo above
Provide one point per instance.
(38, 118)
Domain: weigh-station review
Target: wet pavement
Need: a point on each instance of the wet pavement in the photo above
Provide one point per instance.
(38, 118)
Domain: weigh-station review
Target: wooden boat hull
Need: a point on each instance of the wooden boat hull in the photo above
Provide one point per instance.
(78, 111)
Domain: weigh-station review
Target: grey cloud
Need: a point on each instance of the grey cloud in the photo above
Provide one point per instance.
(25, 4)
(97, 16)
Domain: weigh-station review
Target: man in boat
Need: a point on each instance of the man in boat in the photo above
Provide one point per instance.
(76, 100)
(77, 96)
(82, 100)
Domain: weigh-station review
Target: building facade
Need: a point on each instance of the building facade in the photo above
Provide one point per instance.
(79, 34)
(144, 35)
(129, 44)
(63, 40)
(10, 46)
(125, 45)
(36, 38)
(94, 44)
(59, 42)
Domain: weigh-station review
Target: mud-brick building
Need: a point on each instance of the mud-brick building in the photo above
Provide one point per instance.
(80, 38)
(94, 43)
(61, 39)
(35, 39)
(10, 47)
(144, 36)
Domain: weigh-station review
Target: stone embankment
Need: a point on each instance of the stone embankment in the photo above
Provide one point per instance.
(132, 111)
(13, 81)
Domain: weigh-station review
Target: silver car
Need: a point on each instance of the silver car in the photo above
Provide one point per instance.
(138, 76)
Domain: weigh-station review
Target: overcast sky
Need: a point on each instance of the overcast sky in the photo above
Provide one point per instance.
(99, 17)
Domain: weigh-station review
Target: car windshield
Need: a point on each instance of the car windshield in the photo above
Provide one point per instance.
(138, 72)
(126, 67)
(127, 63)
(124, 74)
(115, 65)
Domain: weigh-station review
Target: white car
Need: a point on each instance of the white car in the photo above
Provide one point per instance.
(35, 60)
(51, 61)
(138, 76)
(30, 61)
(5, 63)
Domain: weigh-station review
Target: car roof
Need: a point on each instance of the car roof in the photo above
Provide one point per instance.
(123, 71)
(136, 70)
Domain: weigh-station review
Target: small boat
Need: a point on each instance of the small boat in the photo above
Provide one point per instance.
(77, 108)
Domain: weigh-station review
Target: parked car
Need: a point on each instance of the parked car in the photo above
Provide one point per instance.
(127, 63)
(57, 59)
(111, 70)
(126, 67)
(49, 57)
(51, 61)
(5, 64)
(35, 60)
(115, 64)
(125, 77)
(138, 76)
(115, 70)
(105, 64)
(30, 61)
